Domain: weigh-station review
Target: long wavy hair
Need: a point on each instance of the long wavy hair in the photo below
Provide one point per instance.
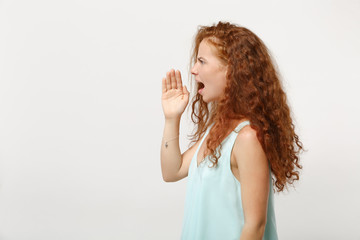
(253, 91)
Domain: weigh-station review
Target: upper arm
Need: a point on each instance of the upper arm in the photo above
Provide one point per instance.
(185, 162)
(254, 176)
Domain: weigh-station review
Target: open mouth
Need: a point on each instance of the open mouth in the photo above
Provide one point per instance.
(201, 85)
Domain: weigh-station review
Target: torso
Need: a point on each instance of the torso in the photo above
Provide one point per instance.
(233, 163)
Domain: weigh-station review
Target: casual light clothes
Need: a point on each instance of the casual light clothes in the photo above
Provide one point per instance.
(213, 206)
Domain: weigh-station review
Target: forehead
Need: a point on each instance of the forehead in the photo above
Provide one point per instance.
(206, 49)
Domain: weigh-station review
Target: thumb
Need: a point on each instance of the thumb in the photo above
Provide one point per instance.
(185, 90)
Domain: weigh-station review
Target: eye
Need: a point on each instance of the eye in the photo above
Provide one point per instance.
(201, 61)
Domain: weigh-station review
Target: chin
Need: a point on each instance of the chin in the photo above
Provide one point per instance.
(208, 100)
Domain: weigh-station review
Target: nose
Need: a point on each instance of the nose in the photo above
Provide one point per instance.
(194, 69)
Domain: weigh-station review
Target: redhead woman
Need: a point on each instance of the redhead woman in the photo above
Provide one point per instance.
(245, 146)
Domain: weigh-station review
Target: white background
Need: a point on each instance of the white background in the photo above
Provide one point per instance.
(81, 120)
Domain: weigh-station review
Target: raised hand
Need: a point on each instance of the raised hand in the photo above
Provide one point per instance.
(175, 96)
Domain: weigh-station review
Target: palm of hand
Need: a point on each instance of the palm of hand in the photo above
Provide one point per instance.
(175, 97)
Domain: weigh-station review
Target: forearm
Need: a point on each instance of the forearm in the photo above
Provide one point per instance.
(170, 155)
(252, 232)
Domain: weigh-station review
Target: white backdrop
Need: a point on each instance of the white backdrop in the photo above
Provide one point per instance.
(81, 120)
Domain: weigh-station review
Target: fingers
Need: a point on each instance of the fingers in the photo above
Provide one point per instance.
(178, 79)
(164, 85)
(168, 81)
(173, 80)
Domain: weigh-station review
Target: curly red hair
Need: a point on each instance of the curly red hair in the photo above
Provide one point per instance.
(254, 92)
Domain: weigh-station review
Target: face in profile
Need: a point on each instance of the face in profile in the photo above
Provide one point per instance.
(209, 72)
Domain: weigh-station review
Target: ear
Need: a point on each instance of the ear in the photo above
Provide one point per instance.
(222, 66)
(226, 70)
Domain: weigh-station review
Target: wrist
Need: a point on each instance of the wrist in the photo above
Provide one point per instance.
(169, 140)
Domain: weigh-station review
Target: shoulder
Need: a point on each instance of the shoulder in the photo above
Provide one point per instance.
(247, 135)
(248, 149)
(246, 132)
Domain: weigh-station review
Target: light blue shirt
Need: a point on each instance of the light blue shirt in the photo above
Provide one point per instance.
(213, 207)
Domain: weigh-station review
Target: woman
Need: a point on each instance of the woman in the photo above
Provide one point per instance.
(244, 129)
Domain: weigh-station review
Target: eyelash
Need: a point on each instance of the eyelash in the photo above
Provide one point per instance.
(200, 61)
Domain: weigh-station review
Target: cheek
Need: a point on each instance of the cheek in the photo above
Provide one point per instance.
(219, 83)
